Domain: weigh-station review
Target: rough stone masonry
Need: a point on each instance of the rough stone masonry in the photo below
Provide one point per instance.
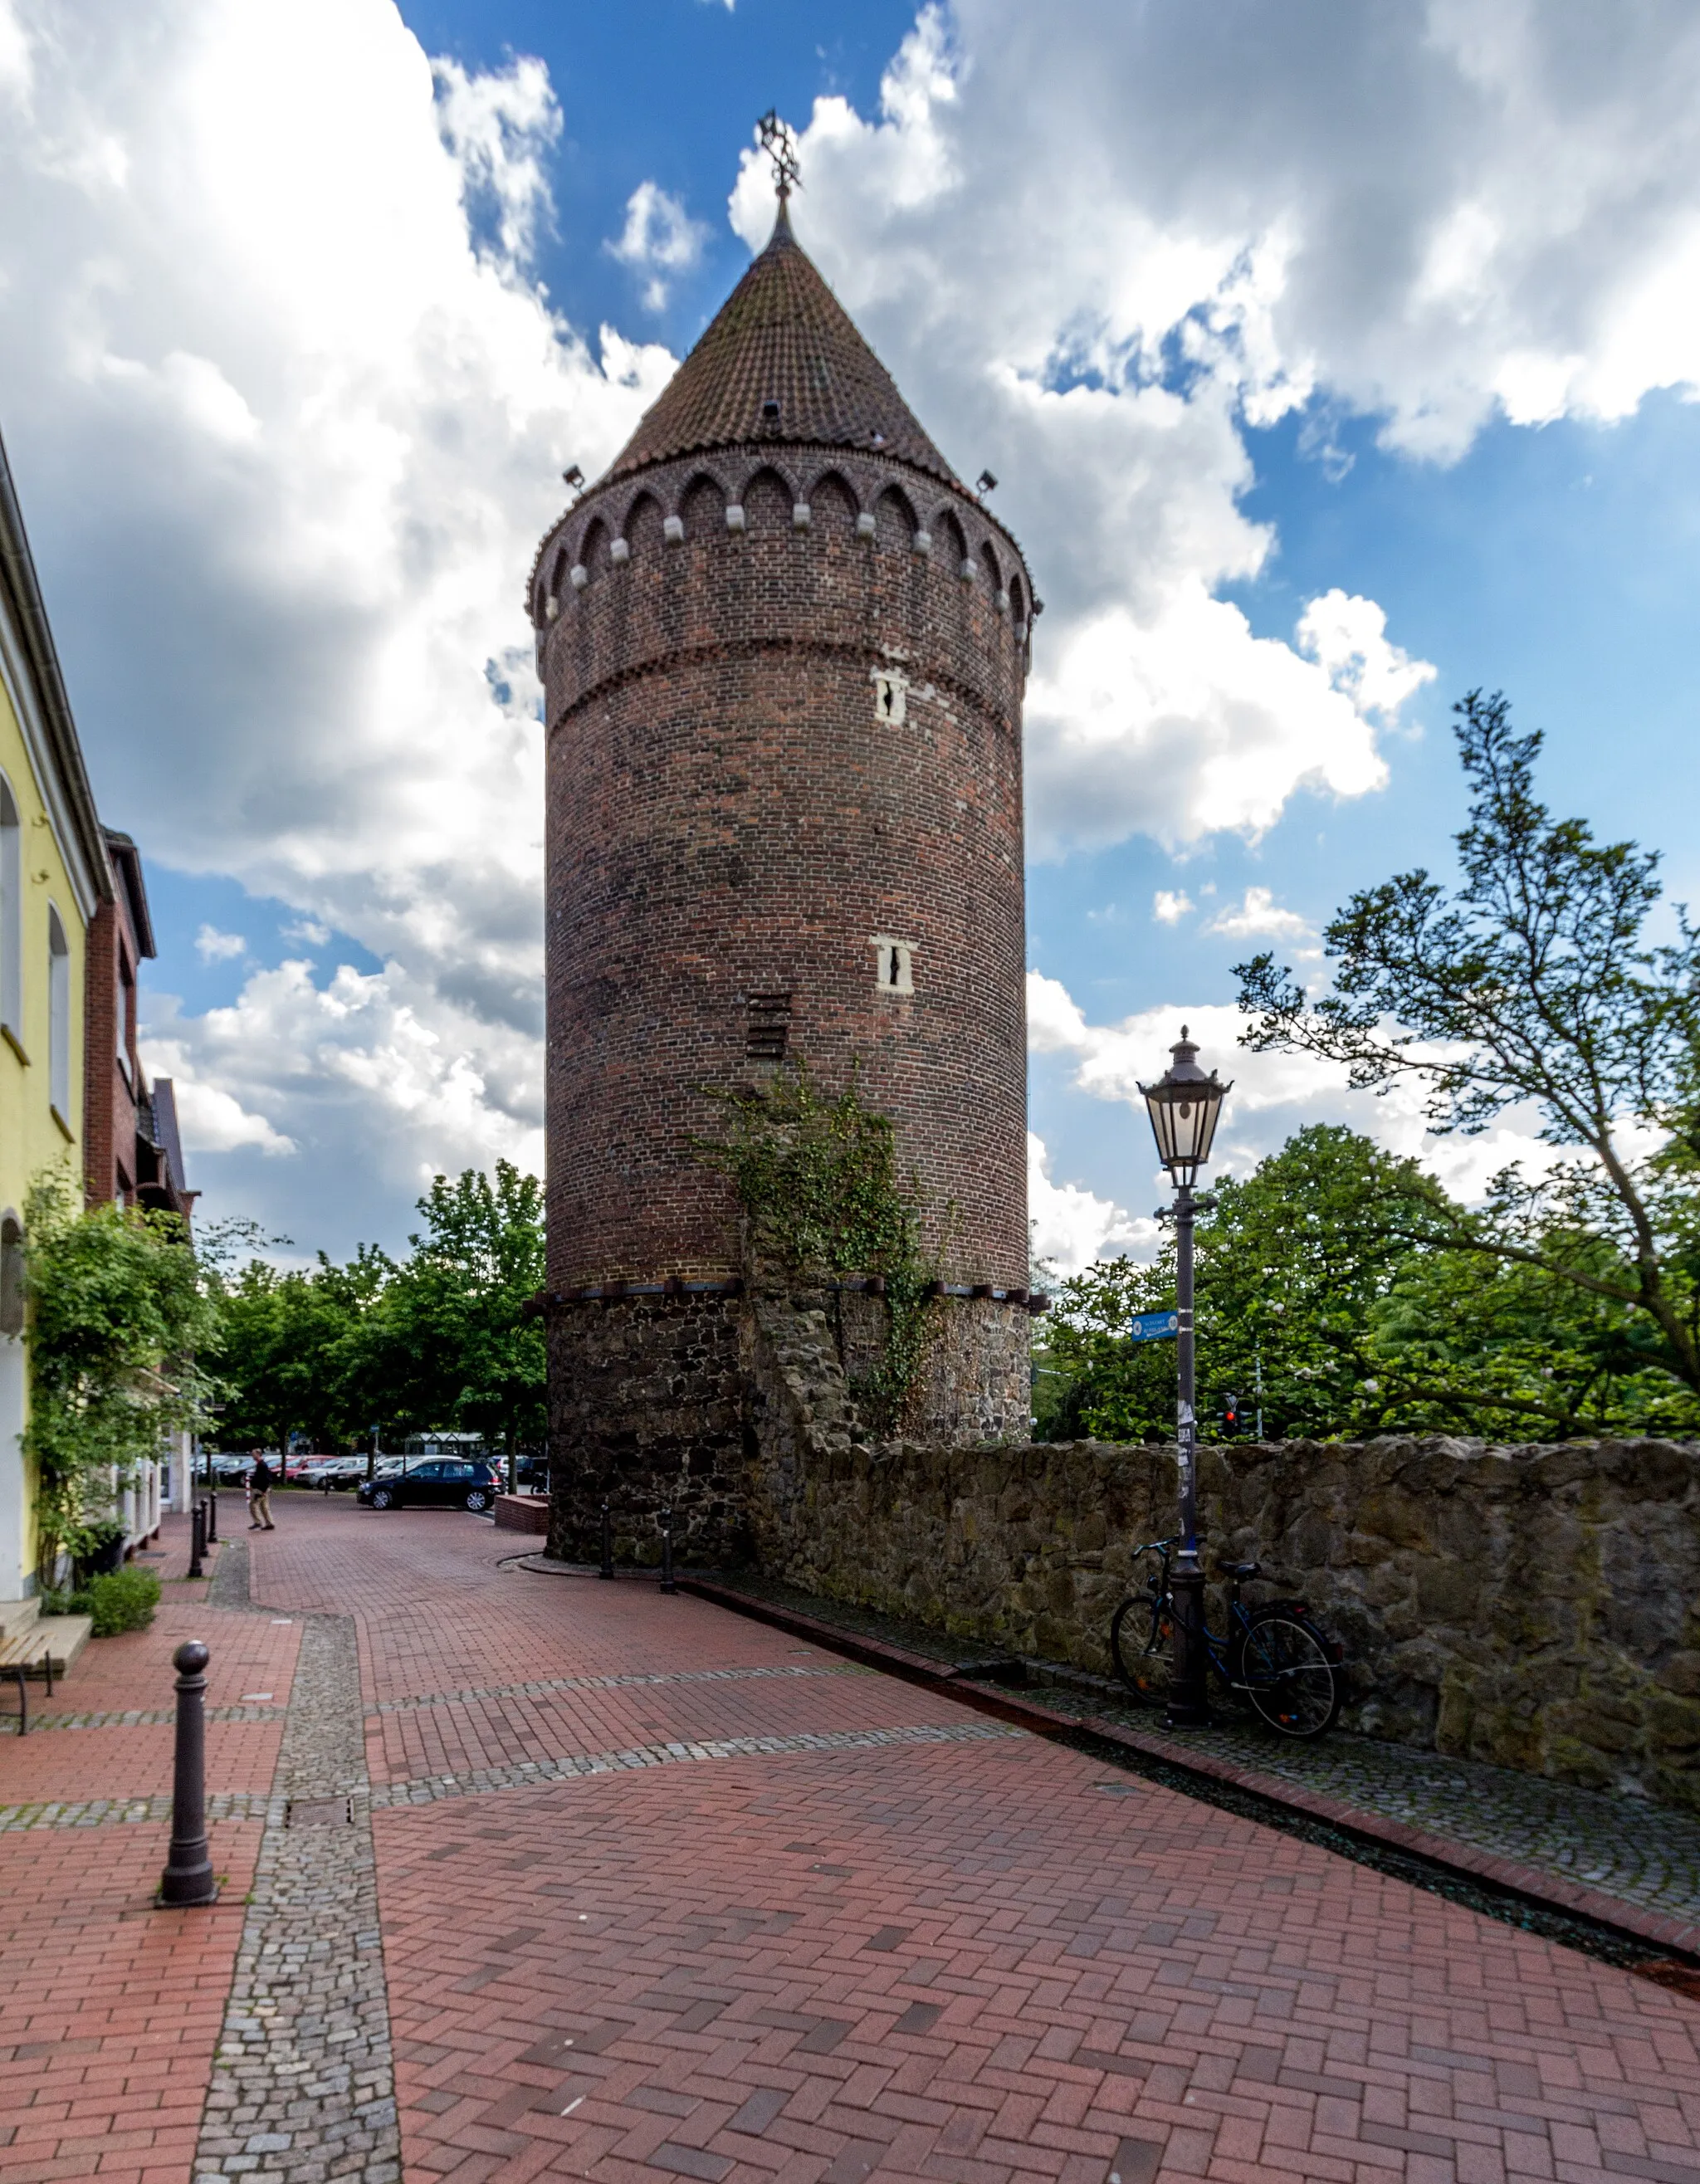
(1537, 1607)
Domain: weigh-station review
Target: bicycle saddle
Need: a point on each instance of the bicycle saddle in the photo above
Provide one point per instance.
(1243, 1571)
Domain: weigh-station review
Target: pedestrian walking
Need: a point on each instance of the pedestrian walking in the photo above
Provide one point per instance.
(260, 1481)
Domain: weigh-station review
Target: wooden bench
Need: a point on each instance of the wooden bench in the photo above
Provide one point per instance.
(34, 1649)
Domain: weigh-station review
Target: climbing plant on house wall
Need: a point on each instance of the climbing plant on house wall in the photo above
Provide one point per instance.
(117, 1307)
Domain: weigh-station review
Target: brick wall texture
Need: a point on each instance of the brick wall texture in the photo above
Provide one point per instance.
(783, 656)
(108, 1096)
(731, 815)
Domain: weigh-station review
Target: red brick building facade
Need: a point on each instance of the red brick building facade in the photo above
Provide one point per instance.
(132, 1153)
(784, 650)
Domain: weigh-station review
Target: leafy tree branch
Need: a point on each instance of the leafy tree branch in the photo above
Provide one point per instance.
(1533, 983)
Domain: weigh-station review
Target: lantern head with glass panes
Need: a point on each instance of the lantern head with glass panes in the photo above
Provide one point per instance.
(1184, 1105)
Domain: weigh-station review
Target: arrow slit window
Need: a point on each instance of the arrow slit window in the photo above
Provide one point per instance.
(894, 963)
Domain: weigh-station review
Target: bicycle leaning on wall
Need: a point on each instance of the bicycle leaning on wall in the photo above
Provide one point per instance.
(1274, 1656)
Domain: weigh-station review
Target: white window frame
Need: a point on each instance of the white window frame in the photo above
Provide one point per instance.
(890, 696)
(59, 1016)
(11, 915)
(893, 965)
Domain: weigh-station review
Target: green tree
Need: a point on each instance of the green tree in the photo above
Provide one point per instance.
(447, 1340)
(1328, 1277)
(288, 1350)
(1534, 982)
(119, 1309)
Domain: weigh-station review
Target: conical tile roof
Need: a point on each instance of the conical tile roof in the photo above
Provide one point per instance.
(781, 336)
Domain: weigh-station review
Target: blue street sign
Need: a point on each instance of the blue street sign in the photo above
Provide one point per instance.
(1154, 1326)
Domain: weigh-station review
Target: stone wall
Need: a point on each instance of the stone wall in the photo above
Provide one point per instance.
(975, 1382)
(646, 1408)
(1538, 1608)
(658, 1402)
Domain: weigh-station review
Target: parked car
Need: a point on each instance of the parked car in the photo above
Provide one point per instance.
(442, 1482)
(531, 1470)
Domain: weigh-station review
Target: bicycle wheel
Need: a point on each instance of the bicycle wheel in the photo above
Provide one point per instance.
(1142, 1645)
(1287, 1675)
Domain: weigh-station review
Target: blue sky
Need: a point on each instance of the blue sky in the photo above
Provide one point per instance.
(1297, 306)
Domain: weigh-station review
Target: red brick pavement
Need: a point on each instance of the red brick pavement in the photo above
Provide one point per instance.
(981, 1960)
(111, 2009)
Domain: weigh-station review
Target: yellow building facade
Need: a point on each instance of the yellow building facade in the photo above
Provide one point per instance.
(53, 874)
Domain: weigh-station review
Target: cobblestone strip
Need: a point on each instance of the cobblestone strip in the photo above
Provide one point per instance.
(228, 1586)
(107, 1812)
(303, 2085)
(425, 1790)
(547, 1684)
(144, 1718)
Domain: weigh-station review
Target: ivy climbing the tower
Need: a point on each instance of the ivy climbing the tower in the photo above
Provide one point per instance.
(823, 1198)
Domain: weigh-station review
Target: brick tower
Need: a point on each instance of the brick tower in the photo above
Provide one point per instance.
(784, 648)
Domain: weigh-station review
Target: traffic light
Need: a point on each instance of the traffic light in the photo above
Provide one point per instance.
(1230, 1416)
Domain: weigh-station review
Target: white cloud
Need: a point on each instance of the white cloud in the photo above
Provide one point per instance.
(373, 1070)
(1273, 1095)
(288, 417)
(288, 412)
(1182, 724)
(215, 1121)
(1260, 915)
(1094, 244)
(1347, 639)
(212, 946)
(1073, 1226)
(498, 128)
(1168, 907)
(660, 238)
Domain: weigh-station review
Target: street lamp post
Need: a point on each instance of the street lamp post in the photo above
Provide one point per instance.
(1184, 1105)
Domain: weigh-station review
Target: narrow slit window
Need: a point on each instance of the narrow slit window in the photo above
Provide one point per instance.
(767, 1026)
(893, 964)
(890, 699)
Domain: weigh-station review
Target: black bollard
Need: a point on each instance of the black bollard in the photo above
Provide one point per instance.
(213, 1518)
(198, 1538)
(607, 1569)
(188, 1875)
(667, 1584)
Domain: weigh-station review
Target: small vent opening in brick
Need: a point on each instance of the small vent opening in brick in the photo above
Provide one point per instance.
(767, 1030)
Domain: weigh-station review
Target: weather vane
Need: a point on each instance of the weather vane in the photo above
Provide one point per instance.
(781, 147)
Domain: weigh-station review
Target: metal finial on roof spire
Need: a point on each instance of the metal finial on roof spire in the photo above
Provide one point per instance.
(780, 145)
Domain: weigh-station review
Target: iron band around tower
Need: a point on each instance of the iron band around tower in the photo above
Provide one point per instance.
(734, 1285)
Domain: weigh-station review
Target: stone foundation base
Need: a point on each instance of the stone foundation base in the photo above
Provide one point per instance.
(658, 1402)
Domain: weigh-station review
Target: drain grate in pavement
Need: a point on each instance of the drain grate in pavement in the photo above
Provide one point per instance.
(321, 1813)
